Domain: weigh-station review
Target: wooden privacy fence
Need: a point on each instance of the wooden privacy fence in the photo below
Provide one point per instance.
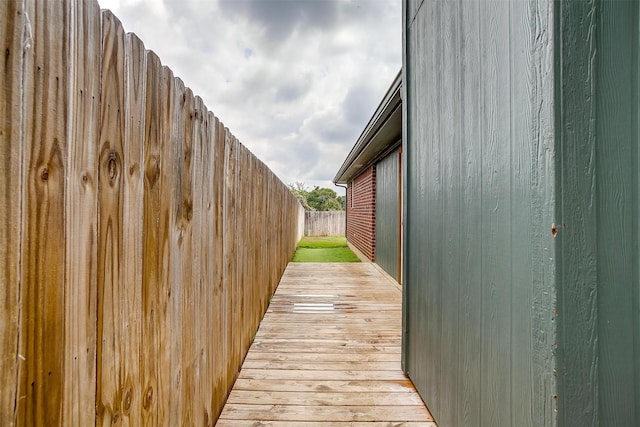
(140, 242)
(324, 223)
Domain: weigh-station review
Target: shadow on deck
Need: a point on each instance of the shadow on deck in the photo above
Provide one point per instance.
(327, 353)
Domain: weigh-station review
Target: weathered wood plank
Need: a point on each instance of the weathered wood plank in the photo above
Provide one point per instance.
(254, 355)
(335, 371)
(169, 294)
(172, 292)
(230, 252)
(151, 245)
(329, 375)
(344, 386)
(248, 397)
(111, 216)
(132, 227)
(85, 61)
(351, 365)
(326, 413)
(220, 386)
(11, 196)
(246, 423)
(41, 343)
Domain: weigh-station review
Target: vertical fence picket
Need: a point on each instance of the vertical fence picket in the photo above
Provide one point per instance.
(41, 342)
(140, 240)
(151, 259)
(168, 399)
(11, 193)
(85, 56)
(220, 290)
(132, 226)
(110, 219)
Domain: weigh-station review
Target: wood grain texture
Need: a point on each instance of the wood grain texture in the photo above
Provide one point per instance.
(496, 216)
(324, 223)
(387, 200)
(84, 118)
(323, 382)
(469, 406)
(451, 211)
(111, 216)
(479, 269)
(141, 241)
(618, 213)
(151, 259)
(132, 226)
(577, 249)
(220, 386)
(46, 146)
(11, 196)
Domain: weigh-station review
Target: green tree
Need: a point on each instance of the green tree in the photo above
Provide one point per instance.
(300, 191)
(318, 199)
(324, 199)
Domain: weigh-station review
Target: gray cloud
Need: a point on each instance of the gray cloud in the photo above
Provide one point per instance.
(279, 18)
(357, 105)
(295, 80)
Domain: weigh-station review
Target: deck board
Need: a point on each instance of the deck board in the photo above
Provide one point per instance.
(327, 353)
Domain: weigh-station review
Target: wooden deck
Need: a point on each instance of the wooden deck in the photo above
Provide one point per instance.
(327, 353)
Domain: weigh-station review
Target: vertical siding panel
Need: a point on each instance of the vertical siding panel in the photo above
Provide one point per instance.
(576, 244)
(450, 214)
(470, 222)
(81, 207)
(543, 212)
(111, 214)
(430, 277)
(132, 242)
(496, 223)
(12, 144)
(524, 104)
(41, 342)
(618, 214)
(417, 336)
(387, 223)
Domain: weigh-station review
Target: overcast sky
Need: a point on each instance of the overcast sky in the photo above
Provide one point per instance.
(295, 81)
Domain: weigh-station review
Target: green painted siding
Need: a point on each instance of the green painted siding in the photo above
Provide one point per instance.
(598, 259)
(388, 214)
(521, 257)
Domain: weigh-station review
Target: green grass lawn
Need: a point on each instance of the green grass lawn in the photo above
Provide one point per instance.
(324, 249)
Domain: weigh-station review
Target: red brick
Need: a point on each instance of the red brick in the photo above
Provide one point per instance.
(361, 212)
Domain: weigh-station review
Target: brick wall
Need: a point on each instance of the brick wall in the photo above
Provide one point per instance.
(361, 212)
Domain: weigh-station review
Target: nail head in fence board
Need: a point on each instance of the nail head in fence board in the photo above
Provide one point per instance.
(81, 207)
(11, 145)
(132, 249)
(40, 398)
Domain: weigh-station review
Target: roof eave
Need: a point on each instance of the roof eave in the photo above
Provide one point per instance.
(383, 130)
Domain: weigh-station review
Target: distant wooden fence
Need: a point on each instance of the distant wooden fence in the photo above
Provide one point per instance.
(324, 223)
(140, 242)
